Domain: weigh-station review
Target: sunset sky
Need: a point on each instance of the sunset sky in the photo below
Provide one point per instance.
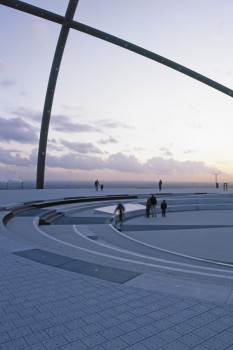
(117, 115)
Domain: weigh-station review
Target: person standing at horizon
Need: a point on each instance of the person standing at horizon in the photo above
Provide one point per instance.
(160, 184)
(97, 184)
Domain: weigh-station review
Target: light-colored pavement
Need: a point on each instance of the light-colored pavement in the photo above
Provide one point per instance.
(48, 307)
(206, 234)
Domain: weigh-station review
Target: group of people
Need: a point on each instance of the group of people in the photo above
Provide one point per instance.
(97, 185)
(150, 209)
(101, 186)
(151, 206)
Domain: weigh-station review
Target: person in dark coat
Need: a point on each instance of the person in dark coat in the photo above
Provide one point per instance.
(97, 185)
(120, 209)
(163, 207)
(160, 184)
(148, 207)
(153, 201)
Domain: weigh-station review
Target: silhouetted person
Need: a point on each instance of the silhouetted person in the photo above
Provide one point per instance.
(163, 207)
(148, 207)
(96, 184)
(120, 209)
(160, 184)
(153, 202)
(102, 187)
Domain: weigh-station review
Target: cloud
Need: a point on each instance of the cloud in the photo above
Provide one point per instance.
(130, 164)
(112, 124)
(189, 151)
(58, 122)
(63, 124)
(28, 114)
(12, 158)
(83, 148)
(171, 166)
(18, 130)
(75, 162)
(107, 141)
(54, 145)
(166, 151)
(118, 162)
(7, 83)
(121, 162)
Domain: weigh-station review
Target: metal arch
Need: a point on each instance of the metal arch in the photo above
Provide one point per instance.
(67, 22)
(64, 32)
(50, 92)
(151, 55)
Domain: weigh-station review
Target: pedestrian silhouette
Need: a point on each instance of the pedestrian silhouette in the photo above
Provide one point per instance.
(153, 202)
(120, 209)
(160, 184)
(163, 207)
(97, 185)
(148, 207)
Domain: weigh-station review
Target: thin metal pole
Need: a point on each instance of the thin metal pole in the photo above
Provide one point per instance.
(50, 92)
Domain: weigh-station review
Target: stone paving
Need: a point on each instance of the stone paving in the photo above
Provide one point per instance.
(44, 307)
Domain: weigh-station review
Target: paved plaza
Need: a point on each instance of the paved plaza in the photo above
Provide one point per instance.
(136, 302)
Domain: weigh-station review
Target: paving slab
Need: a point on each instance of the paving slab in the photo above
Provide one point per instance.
(45, 307)
(79, 266)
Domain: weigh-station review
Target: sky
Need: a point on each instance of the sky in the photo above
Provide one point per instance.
(117, 115)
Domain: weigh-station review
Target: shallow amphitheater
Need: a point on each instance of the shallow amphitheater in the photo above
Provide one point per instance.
(192, 245)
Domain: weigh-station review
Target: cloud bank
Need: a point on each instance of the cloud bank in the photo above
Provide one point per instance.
(16, 129)
(117, 162)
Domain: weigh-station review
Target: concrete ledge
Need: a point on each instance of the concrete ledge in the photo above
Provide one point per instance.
(50, 217)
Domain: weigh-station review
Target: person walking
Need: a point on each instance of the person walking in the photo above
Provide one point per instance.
(163, 207)
(120, 209)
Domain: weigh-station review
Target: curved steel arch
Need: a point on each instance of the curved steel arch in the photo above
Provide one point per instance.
(50, 92)
(67, 22)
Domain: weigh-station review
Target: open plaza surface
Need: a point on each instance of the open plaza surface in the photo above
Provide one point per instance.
(78, 283)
